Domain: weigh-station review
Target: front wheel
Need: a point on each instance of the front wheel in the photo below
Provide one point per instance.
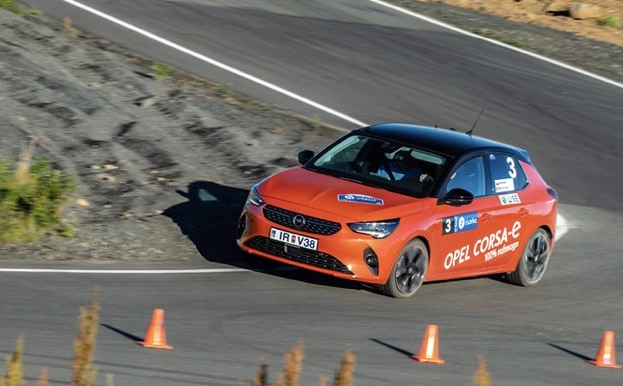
(533, 260)
(408, 272)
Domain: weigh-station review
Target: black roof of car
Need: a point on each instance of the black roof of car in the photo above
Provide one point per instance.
(441, 140)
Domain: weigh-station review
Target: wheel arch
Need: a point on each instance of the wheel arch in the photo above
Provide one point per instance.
(425, 241)
(549, 231)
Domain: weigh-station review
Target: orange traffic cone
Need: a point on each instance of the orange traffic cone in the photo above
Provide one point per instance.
(429, 351)
(156, 337)
(606, 356)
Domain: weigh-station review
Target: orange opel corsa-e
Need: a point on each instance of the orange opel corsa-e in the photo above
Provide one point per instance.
(395, 205)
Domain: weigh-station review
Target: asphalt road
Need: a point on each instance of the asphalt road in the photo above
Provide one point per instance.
(372, 64)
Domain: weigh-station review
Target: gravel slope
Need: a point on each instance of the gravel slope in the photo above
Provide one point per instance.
(164, 165)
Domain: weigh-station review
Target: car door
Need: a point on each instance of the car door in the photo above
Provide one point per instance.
(506, 183)
(462, 228)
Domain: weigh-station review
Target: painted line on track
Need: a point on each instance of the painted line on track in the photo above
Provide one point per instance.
(123, 271)
(498, 43)
(561, 228)
(213, 62)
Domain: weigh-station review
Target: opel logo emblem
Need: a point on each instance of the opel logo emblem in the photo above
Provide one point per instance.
(298, 221)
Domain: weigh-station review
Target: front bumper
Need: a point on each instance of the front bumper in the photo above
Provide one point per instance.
(340, 252)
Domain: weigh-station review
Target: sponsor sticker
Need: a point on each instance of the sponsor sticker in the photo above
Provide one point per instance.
(360, 199)
(509, 199)
(490, 247)
(504, 185)
(460, 223)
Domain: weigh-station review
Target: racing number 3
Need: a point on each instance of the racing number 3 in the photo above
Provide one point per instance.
(512, 172)
(447, 226)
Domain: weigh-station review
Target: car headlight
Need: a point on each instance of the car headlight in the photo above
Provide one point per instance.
(254, 197)
(376, 229)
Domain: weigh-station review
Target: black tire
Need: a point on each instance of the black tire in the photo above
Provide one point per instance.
(408, 272)
(533, 261)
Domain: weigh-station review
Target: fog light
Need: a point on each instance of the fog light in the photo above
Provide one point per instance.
(371, 260)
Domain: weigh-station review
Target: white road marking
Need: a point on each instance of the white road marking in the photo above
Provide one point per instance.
(561, 227)
(214, 62)
(123, 271)
(498, 43)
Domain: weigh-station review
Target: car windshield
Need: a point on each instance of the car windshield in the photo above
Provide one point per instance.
(382, 163)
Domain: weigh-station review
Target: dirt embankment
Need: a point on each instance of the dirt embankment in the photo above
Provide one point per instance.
(155, 158)
(579, 17)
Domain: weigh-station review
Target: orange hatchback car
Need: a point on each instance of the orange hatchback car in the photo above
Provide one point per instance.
(395, 205)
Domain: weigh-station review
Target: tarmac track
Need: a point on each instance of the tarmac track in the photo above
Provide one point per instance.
(222, 323)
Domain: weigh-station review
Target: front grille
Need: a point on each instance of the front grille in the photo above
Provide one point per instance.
(301, 255)
(312, 224)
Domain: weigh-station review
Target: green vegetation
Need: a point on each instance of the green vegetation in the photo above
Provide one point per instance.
(161, 70)
(31, 198)
(610, 20)
(316, 122)
(10, 5)
(223, 91)
(519, 43)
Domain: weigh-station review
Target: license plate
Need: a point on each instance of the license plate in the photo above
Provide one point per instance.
(293, 239)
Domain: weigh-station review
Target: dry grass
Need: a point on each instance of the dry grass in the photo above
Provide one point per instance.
(482, 376)
(14, 374)
(84, 345)
(84, 373)
(344, 376)
(261, 376)
(293, 364)
(21, 176)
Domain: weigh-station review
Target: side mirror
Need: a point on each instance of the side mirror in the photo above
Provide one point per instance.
(304, 156)
(458, 197)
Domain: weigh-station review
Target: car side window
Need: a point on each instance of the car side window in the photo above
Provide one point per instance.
(469, 176)
(507, 174)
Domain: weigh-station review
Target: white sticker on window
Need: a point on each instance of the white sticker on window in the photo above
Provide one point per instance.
(504, 185)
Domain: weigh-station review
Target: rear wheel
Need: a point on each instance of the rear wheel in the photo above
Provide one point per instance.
(533, 260)
(408, 272)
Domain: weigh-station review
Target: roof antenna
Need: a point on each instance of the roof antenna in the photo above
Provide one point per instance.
(475, 123)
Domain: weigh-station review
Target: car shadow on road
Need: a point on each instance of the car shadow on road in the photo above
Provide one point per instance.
(209, 219)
